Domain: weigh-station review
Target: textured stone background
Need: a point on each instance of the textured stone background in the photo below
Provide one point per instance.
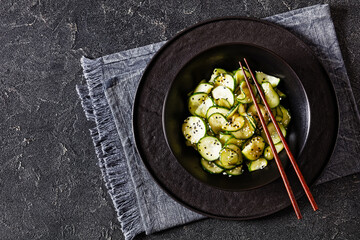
(50, 185)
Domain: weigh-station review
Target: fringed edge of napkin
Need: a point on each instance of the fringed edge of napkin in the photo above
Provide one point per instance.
(114, 171)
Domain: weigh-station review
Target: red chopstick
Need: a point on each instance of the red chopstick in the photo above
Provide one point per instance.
(272, 146)
(291, 157)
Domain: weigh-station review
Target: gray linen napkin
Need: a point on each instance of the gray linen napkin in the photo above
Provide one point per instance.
(107, 99)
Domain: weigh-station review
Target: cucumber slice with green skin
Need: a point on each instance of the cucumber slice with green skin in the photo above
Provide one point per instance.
(211, 167)
(239, 75)
(194, 129)
(252, 111)
(262, 77)
(253, 148)
(247, 130)
(285, 116)
(203, 88)
(274, 112)
(245, 96)
(278, 119)
(232, 111)
(242, 109)
(219, 164)
(221, 92)
(216, 122)
(225, 80)
(235, 171)
(271, 97)
(217, 109)
(216, 72)
(222, 103)
(233, 140)
(229, 157)
(279, 114)
(195, 100)
(272, 130)
(252, 121)
(233, 147)
(209, 148)
(258, 164)
(224, 138)
(204, 107)
(268, 154)
(235, 125)
(237, 150)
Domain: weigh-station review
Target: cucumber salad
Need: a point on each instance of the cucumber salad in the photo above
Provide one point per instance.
(224, 126)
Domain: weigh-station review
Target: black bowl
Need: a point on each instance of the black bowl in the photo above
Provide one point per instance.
(226, 56)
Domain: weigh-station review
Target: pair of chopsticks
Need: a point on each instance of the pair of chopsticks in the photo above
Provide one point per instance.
(272, 146)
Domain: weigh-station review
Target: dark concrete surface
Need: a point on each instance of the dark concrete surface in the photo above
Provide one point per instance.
(50, 184)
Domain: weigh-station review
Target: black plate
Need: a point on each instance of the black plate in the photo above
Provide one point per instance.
(227, 56)
(172, 176)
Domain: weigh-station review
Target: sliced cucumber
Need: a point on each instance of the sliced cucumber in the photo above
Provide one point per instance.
(242, 109)
(194, 129)
(245, 96)
(233, 140)
(204, 107)
(209, 148)
(229, 157)
(268, 154)
(237, 150)
(262, 77)
(203, 88)
(232, 111)
(271, 97)
(235, 125)
(235, 171)
(252, 121)
(195, 100)
(225, 80)
(285, 116)
(222, 92)
(279, 114)
(258, 164)
(216, 72)
(247, 130)
(217, 109)
(272, 130)
(216, 122)
(224, 137)
(233, 147)
(252, 111)
(239, 75)
(223, 103)
(274, 112)
(253, 148)
(228, 166)
(211, 167)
